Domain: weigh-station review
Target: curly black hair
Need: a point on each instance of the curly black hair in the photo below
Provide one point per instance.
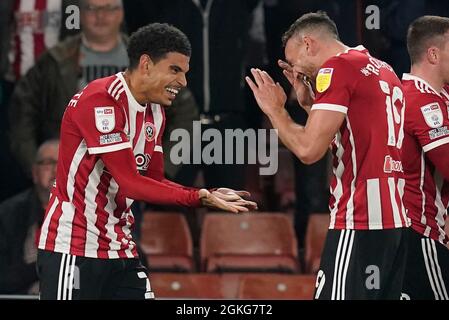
(156, 40)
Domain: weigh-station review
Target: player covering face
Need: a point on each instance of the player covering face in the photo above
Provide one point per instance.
(355, 105)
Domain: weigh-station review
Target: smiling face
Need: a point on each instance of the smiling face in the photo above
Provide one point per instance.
(165, 78)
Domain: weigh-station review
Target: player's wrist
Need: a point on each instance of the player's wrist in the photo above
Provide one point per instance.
(277, 113)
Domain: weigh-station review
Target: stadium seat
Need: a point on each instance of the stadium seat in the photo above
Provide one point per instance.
(167, 243)
(277, 286)
(315, 237)
(181, 285)
(254, 242)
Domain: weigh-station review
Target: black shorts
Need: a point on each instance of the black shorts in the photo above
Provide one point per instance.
(362, 264)
(69, 277)
(427, 269)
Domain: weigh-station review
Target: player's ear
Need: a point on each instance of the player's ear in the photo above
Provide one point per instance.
(145, 63)
(433, 55)
(308, 43)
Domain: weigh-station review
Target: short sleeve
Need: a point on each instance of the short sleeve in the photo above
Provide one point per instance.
(333, 86)
(429, 123)
(101, 123)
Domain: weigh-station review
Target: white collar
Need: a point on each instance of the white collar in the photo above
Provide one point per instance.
(408, 76)
(358, 48)
(131, 100)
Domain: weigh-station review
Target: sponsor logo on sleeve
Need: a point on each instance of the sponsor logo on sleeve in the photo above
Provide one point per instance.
(438, 132)
(110, 138)
(433, 115)
(105, 119)
(323, 79)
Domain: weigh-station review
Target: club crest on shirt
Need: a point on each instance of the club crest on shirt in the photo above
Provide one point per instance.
(150, 131)
(323, 79)
(105, 119)
(433, 115)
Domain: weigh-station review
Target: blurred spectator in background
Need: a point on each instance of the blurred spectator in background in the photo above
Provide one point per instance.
(20, 219)
(27, 29)
(40, 97)
(218, 31)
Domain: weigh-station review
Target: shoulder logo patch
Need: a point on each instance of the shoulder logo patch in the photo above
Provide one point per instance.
(323, 79)
(433, 115)
(105, 119)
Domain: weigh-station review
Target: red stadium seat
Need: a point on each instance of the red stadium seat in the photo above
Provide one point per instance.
(263, 242)
(167, 242)
(181, 285)
(315, 238)
(277, 286)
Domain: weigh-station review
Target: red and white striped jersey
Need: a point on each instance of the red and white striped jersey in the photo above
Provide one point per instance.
(88, 214)
(367, 186)
(426, 127)
(37, 26)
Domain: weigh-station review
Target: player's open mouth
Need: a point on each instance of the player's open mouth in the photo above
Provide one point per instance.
(172, 91)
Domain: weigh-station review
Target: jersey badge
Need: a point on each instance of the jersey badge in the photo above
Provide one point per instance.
(105, 119)
(433, 115)
(150, 131)
(323, 79)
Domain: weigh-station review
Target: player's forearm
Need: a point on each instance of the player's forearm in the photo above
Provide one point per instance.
(294, 137)
(122, 166)
(158, 192)
(177, 185)
(156, 172)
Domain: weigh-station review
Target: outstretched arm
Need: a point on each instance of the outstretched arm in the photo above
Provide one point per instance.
(156, 171)
(121, 165)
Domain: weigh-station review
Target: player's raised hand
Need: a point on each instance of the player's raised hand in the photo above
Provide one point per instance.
(235, 206)
(300, 83)
(269, 95)
(287, 70)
